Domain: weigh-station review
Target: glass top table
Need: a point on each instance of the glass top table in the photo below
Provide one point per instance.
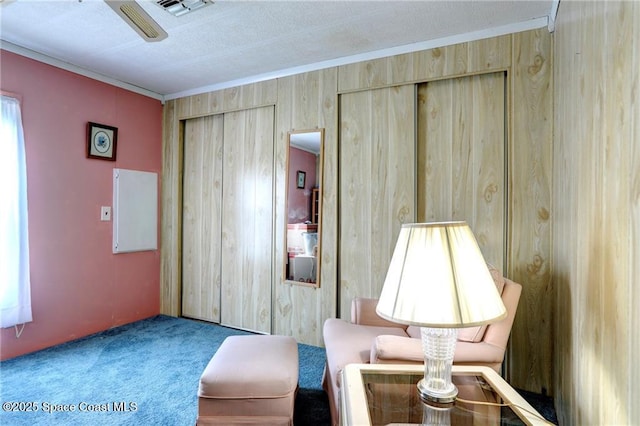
(385, 394)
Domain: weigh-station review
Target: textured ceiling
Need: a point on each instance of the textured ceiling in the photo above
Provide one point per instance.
(235, 41)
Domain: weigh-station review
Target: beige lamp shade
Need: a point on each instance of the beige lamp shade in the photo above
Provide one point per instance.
(438, 278)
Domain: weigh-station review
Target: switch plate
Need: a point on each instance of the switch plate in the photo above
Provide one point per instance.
(105, 213)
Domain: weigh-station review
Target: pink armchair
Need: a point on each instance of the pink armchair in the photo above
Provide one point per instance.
(369, 338)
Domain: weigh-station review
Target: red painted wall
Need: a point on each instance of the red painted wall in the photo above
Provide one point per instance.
(78, 287)
(299, 199)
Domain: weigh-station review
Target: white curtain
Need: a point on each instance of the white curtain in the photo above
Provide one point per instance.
(15, 287)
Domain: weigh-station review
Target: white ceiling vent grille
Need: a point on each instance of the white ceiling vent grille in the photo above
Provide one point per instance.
(180, 7)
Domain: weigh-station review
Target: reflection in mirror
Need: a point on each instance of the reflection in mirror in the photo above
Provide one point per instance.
(304, 187)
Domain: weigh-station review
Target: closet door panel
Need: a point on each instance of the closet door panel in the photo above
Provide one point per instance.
(377, 190)
(247, 219)
(201, 218)
(461, 157)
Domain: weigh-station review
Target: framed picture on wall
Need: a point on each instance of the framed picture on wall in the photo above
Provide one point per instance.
(101, 141)
(301, 178)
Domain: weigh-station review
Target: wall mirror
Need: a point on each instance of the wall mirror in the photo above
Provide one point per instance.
(304, 207)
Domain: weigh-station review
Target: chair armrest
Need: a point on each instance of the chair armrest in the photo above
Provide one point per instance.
(387, 349)
(478, 353)
(498, 333)
(363, 312)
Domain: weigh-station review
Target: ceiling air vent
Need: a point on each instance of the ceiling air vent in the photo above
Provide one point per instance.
(180, 7)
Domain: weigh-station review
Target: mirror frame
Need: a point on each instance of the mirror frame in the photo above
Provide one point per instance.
(320, 179)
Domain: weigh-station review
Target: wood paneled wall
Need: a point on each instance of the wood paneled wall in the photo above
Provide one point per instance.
(174, 114)
(377, 186)
(309, 100)
(227, 218)
(492, 54)
(529, 159)
(596, 220)
(527, 60)
(202, 217)
(461, 157)
(247, 219)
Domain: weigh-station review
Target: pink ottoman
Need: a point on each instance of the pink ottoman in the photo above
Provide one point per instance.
(251, 380)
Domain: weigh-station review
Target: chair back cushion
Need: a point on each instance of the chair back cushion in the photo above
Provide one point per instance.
(476, 334)
(414, 331)
(469, 334)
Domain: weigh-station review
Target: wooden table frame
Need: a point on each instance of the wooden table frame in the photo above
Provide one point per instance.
(353, 403)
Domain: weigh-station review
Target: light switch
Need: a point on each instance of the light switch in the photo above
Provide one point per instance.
(105, 213)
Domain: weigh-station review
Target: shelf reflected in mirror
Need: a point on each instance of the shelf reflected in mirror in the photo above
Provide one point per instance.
(304, 207)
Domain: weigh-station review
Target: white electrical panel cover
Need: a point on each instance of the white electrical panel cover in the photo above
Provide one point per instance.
(135, 211)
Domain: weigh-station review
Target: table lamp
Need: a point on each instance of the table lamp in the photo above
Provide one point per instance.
(439, 281)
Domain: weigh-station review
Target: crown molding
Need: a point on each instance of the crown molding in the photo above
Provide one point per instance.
(22, 51)
(408, 48)
(532, 24)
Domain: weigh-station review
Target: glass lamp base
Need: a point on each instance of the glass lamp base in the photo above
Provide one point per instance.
(430, 395)
(436, 414)
(439, 345)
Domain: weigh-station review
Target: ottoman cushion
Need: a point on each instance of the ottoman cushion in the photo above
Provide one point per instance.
(250, 377)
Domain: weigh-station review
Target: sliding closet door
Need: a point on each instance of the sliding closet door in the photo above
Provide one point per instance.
(247, 219)
(461, 157)
(201, 218)
(377, 189)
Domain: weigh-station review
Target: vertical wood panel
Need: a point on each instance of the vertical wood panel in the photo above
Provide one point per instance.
(200, 105)
(489, 130)
(247, 219)
(441, 61)
(170, 214)
(597, 198)
(400, 69)
(183, 107)
(435, 159)
(489, 54)
(377, 192)
(354, 208)
(633, 105)
(307, 101)
(461, 148)
(362, 75)
(202, 218)
(530, 158)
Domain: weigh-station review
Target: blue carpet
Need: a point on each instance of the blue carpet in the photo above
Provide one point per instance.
(144, 373)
